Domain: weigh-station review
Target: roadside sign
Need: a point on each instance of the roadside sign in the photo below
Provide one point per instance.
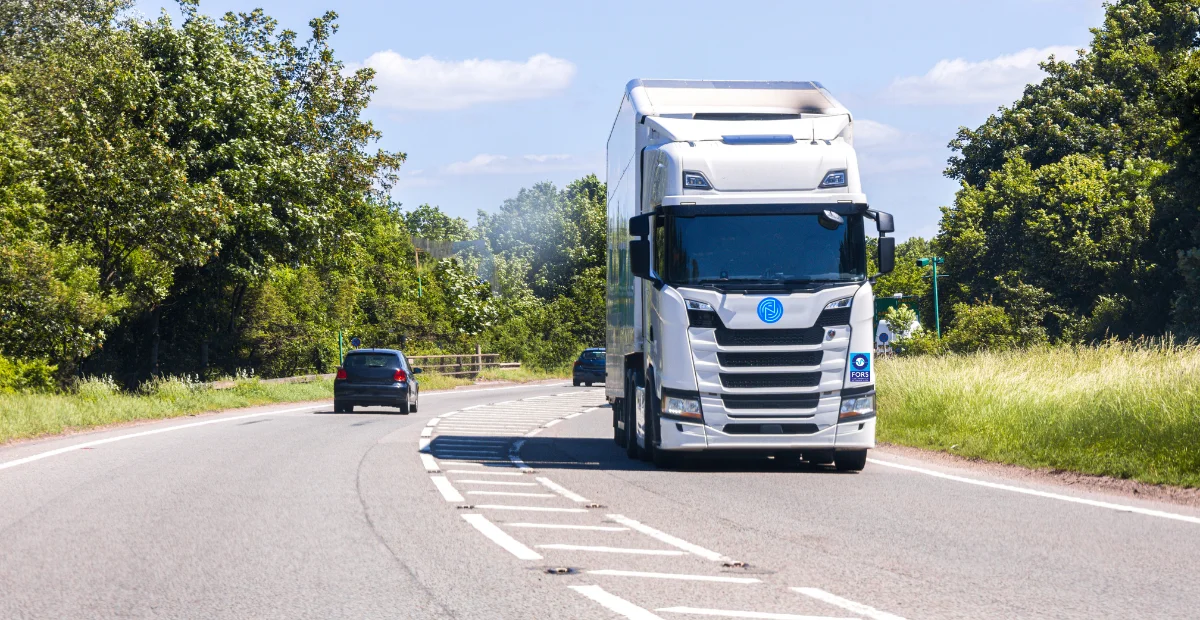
(355, 342)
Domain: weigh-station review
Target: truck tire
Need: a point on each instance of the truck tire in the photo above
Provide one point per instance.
(850, 460)
(618, 409)
(631, 447)
(650, 423)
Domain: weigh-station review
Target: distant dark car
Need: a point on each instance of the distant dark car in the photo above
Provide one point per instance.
(589, 368)
(375, 378)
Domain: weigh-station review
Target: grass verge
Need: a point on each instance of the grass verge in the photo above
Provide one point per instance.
(521, 375)
(98, 402)
(1121, 410)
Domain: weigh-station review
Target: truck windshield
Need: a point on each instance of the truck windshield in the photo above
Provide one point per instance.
(771, 250)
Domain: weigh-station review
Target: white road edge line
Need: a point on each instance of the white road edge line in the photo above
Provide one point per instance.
(858, 608)
(107, 440)
(431, 465)
(433, 422)
(669, 539)
(446, 489)
(514, 455)
(634, 573)
(599, 549)
(564, 526)
(500, 537)
(1046, 494)
(552, 423)
(423, 444)
(615, 603)
(534, 432)
(563, 491)
(427, 431)
(757, 615)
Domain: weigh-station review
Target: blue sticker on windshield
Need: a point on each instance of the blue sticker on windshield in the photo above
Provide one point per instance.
(860, 367)
(770, 310)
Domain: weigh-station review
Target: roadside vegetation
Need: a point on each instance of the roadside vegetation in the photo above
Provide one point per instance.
(1123, 410)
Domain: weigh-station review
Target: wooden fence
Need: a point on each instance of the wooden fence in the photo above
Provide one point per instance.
(465, 365)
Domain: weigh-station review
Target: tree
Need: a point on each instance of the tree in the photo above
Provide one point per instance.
(428, 222)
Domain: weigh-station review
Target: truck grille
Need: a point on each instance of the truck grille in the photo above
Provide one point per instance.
(759, 360)
(770, 429)
(839, 316)
(733, 402)
(768, 337)
(771, 380)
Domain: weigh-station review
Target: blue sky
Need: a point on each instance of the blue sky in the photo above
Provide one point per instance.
(489, 97)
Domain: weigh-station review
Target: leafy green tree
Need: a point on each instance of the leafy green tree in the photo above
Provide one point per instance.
(429, 222)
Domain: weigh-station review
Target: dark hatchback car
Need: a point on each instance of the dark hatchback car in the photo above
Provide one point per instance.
(375, 378)
(589, 368)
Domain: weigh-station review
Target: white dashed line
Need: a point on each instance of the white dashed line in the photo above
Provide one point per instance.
(510, 494)
(612, 549)
(757, 615)
(563, 526)
(551, 423)
(557, 488)
(858, 608)
(534, 432)
(1066, 498)
(514, 455)
(529, 508)
(497, 483)
(615, 603)
(431, 465)
(669, 539)
(498, 536)
(632, 573)
(447, 490)
(423, 444)
(486, 473)
(433, 422)
(427, 431)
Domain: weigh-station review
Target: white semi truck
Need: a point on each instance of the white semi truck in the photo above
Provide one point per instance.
(739, 307)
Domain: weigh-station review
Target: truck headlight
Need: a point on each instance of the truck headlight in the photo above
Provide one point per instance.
(859, 405)
(699, 305)
(839, 303)
(682, 407)
(834, 178)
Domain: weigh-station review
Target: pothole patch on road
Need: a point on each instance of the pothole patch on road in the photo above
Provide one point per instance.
(561, 570)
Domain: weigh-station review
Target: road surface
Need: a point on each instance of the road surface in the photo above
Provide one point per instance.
(515, 503)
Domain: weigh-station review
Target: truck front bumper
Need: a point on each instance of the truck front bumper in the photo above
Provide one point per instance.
(693, 437)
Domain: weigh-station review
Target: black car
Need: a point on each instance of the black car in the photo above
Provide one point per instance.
(375, 378)
(589, 368)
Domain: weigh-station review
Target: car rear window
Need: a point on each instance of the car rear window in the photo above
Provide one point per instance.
(372, 360)
(591, 355)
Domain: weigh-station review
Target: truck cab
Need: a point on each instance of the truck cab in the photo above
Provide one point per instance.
(739, 305)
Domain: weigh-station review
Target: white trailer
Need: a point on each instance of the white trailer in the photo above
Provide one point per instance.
(739, 306)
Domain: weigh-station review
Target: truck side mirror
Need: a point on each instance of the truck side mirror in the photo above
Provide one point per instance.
(884, 223)
(887, 253)
(639, 225)
(639, 258)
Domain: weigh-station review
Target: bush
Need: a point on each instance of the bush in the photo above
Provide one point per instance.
(26, 376)
(981, 327)
(920, 343)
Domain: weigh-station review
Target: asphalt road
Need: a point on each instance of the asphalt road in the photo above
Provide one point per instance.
(459, 510)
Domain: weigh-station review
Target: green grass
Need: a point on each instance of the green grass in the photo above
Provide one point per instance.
(1128, 411)
(523, 374)
(98, 403)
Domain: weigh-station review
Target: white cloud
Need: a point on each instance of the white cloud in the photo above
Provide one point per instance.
(870, 134)
(996, 81)
(886, 150)
(524, 164)
(427, 83)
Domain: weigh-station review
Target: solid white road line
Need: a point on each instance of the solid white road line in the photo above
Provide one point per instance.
(446, 415)
(479, 463)
(563, 526)
(858, 608)
(453, 450)
(551, 423)
(498, 536)
(498, 483)
(423, 444)
(534, 432)
(615, 603)
(510, 494)
(427, 431)
(529, 508)
(669, 539)
(484, 473)
(633, 573)
(433, 422)
(611, 549)
(1066, 498)
(107, 440)
(447, 490)
(454, 454)
(557, 488)
(759, 615)
(431, 465)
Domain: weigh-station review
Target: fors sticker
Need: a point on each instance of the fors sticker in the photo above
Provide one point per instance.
(860, 367)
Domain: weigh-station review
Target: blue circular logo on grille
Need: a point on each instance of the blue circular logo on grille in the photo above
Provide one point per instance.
(770, 310)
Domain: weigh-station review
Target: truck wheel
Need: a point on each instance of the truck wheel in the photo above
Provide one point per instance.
(650, 423)
(850, 460)
(631, 447)
(665, 459)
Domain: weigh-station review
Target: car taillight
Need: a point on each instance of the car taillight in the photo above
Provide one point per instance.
(341, 373)
(576, 364)
(400, 376)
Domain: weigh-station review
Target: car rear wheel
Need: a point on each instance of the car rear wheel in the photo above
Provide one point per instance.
(413, 406)
(404, 408)
(850, 460)
(575, 382)
(340, 407)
